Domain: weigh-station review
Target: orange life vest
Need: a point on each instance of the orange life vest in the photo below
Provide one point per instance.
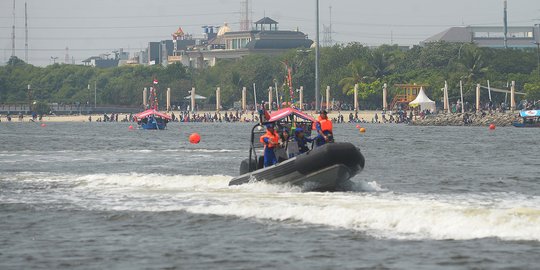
(272, 137)
(326, 124)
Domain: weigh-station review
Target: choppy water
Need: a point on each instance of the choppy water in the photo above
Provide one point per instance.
(96, 195)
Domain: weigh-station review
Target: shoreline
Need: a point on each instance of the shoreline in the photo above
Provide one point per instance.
(441, 119)
(366, 115)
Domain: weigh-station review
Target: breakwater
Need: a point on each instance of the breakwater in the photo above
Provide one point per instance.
(470, 119)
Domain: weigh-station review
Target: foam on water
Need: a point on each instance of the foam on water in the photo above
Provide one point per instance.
(378, 213)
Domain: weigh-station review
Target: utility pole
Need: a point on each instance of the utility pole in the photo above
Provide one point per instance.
(505, 25)
(95, 94)
(317, 55)
(538, 55)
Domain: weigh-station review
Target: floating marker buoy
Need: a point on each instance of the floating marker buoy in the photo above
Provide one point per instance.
(130, 127)
(194, 138)
(43, 125)
(492, 126)
(357, 126)
(362, 130)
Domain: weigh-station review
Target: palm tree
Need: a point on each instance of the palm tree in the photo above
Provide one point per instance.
(472, 63)
(381, 63)
(361, 71)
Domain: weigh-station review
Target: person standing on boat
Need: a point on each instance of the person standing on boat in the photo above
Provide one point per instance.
(270, 140)
(324, 129)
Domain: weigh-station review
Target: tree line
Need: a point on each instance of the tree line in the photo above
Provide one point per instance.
(341, 67)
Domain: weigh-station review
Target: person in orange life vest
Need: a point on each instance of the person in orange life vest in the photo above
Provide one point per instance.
(270, 140)
(324, 129)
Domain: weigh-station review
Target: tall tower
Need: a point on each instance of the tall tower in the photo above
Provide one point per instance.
(66, 59)
(505, 25)
(25, 33)
(327, 32)
(245, 22)
(13, 33)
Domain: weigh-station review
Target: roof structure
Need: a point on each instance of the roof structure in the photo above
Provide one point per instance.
(453, 34)
(224, 29)
(151, 112)
(530, 113)
(196, 97)
(286, 112)
(489, 36)
(266, 20)
(423, 101)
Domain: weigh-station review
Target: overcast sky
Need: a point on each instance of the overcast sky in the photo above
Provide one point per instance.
(92, 27)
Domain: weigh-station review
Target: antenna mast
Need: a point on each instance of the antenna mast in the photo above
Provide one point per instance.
(25, 32)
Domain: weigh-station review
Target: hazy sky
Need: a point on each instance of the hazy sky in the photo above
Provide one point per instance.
(92, 27)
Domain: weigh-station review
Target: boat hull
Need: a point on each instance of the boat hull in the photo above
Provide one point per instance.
(326, 168)
(526, 125)
(159, 126)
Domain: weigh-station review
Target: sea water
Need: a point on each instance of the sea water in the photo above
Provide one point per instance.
(99, 196)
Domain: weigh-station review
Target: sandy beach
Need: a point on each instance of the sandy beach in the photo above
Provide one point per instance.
(366, 115)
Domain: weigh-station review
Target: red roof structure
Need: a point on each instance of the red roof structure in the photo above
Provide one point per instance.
(150, 112)
(286, 112)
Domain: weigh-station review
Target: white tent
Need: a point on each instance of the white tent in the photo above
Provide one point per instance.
(196, 97)
(423, 101)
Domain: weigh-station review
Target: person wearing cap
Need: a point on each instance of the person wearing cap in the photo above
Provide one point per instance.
(270, 140)
(324, 129)
(301, 140)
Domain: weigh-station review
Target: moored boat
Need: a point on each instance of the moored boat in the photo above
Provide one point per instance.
(152, 118)
(529, 118)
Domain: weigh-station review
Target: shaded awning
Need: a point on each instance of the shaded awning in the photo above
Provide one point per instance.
(151, 112)
(530, 113)
(196, 97)
(286, 112)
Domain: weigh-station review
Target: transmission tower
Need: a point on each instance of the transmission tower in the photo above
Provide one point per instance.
(13, 33)
(25, 32)
(66, 59)
(245, 22)
(327, 32)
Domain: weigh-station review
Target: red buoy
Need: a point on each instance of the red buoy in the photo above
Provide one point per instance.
(357, 126)
(194, 138)
(43, 125)
(130, 127)
(492, 126)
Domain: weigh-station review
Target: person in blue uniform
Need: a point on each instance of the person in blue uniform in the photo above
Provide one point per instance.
(301, 140)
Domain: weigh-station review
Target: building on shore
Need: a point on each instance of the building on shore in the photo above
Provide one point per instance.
(103, 61)
(518, 37)
(265, 38)
(217, 42)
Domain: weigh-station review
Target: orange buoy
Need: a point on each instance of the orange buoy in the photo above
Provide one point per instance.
(362, 130)
(130, 127)
(492, 126)
(194, 138)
